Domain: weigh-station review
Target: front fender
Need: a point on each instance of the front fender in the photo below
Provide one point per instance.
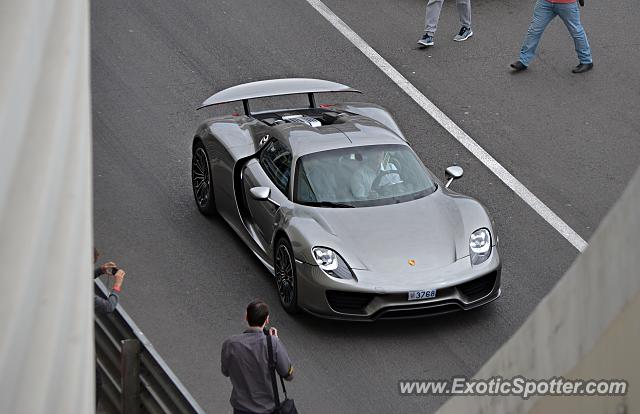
(306, 233)
(474, 216)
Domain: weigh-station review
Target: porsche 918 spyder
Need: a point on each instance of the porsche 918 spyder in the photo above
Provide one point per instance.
(338, 207)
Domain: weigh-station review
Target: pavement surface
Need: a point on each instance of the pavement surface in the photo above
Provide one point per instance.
(571, 139)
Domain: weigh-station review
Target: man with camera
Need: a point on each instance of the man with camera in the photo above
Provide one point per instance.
(101, 305)
(104, 306)
(246, 361)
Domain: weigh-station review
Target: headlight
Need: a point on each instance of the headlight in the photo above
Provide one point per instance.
(331, 263)
(479, 246)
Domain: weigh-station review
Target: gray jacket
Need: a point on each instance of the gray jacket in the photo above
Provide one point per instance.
(245, 362)
(101, 305)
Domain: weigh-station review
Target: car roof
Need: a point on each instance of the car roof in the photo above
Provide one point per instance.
(352, 131)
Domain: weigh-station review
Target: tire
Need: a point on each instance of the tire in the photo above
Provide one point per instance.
(285, 274)
(201, 180)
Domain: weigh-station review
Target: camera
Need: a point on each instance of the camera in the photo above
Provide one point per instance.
(113, 270)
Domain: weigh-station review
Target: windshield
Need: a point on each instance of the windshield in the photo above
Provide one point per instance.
(361, 176)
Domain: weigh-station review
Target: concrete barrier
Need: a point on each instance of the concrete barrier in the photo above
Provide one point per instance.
(586, 327)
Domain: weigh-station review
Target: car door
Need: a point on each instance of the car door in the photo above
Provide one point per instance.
(273, 170)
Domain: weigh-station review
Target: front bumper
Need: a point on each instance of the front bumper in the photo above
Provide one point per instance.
(459, 286)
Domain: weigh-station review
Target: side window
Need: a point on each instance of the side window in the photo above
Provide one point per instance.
(276, 162)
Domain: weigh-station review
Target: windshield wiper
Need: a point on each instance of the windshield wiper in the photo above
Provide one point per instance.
(328, 204)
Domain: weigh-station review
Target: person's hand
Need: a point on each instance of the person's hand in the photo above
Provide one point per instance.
(117, 285)
(273, 331)
(104, 268)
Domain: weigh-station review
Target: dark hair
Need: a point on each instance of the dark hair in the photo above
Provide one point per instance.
(257, 312)
(96, 254)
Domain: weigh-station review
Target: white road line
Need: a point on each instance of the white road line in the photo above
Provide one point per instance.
(512, 182)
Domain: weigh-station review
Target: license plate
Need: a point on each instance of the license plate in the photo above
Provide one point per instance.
(422, 294)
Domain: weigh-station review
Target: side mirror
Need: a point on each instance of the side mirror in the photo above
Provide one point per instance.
(262, 194)
(452, 173)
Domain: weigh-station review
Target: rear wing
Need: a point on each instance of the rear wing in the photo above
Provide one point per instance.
(275, 87)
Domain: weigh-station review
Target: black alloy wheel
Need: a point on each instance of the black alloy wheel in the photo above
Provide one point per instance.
(285, 273)
(201, 180)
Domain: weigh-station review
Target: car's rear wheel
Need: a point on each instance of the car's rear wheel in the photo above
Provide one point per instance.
(201, 180)
(285, 273)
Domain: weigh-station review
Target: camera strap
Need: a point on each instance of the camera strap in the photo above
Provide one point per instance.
(272, 371)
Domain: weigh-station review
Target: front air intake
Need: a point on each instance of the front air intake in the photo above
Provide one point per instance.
(478, 288)
(349, 302)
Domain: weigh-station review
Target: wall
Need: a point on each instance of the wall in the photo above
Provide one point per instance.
(46, 315)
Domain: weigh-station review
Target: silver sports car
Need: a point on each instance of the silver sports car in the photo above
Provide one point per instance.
(338, 207)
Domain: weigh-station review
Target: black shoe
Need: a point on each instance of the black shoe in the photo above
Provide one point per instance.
(518, 66)
(583, 67)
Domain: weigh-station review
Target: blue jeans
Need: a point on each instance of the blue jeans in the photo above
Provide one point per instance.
(543, 13)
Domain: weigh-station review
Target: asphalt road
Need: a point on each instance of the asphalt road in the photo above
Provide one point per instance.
(572, 140)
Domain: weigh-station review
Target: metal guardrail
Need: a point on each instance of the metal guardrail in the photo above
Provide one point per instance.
(135, 378)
